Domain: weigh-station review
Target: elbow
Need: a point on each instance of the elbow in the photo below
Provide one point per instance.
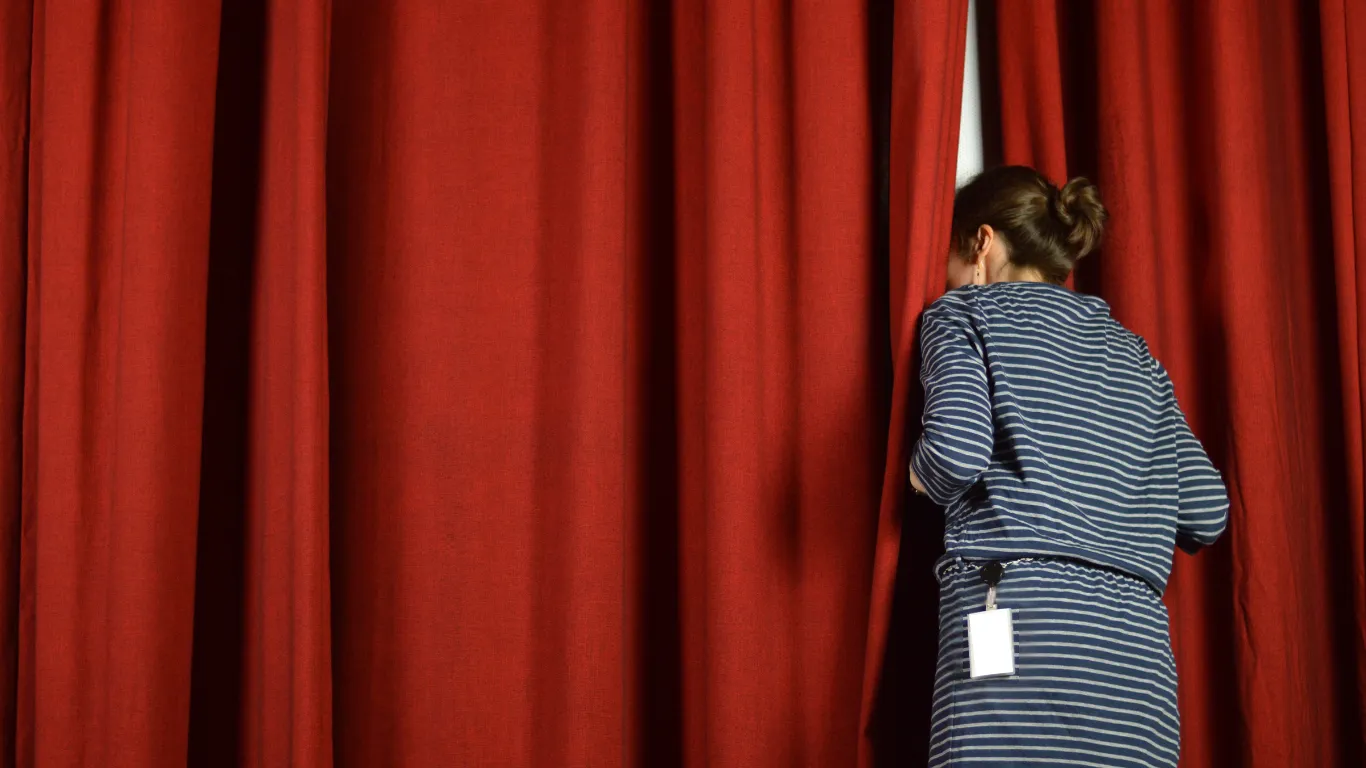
(948, 475)
(1205, 531)
(1222, 524)
(969, 469)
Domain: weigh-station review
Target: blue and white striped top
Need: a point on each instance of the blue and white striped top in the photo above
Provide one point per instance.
(1050, 430)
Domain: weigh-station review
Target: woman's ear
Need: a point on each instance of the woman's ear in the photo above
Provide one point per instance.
(981, 250)
(985, 238)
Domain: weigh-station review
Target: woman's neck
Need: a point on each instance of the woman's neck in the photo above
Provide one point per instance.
(1014, 274)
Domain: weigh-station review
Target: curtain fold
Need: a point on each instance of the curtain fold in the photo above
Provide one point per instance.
(604, 389)
(476, 266)
(1206, 126)
(1344, 87)
(15, 41)
(120, 139)
(262, 676)
(926, 96)
(776, 400)
(288, 672)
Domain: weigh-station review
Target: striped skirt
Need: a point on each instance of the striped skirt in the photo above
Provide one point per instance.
(1096, 680)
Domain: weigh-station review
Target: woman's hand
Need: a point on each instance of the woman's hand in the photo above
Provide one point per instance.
(915, 482)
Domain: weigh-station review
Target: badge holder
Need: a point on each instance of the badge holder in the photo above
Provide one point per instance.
(991, 633)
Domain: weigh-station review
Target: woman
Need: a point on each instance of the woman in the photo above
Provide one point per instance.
(1068, 473)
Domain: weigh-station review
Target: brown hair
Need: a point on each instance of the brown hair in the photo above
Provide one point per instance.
(1043, 227)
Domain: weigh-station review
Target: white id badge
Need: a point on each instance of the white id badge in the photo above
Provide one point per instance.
(991, 643)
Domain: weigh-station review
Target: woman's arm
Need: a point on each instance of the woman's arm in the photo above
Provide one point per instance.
(956, 443)
(1202, 499)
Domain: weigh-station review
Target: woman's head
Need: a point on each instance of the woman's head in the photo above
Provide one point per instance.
(1011, 223)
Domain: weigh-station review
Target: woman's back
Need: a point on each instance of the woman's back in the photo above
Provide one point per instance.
(1069, 474)
(1051, 431)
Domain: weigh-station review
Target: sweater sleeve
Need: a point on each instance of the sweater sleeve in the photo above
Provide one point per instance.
(1202, 499)
(956, 442)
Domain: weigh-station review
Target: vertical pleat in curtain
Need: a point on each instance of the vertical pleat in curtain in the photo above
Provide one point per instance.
(926, 97)
(118, 137)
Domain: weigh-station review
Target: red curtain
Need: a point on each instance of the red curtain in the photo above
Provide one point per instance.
(115, 210)
(14, 69)
(926, 95)
(1226, 139)
(415, 383)
(605, 404)
(166, 507)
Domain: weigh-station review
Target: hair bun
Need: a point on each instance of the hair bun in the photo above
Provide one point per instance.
(1078, 208)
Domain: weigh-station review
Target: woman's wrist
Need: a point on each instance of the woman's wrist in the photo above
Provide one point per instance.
(916, 485)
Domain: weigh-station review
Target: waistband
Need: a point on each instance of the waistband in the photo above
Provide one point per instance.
(952, 564)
